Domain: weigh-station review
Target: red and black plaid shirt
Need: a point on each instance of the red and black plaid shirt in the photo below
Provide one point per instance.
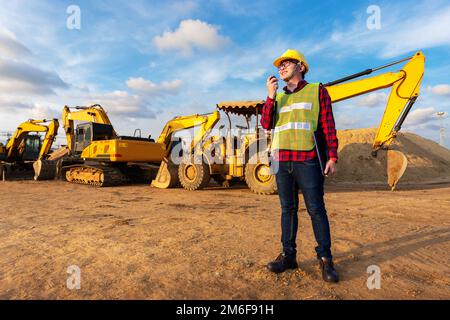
(325, 124)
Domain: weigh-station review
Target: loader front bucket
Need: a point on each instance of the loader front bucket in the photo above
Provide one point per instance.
(396, 166)
(167, 176)
(44, 170)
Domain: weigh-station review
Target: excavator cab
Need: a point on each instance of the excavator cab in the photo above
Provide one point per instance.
(91, 131)
(32, 147)
(28, 149)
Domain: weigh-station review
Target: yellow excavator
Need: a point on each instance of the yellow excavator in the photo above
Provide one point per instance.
(405, 89)
(26, 147)
(238, 162)
(167, 176)
(98, 156)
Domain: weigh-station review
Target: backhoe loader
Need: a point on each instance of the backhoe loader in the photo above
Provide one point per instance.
(167, 176)
(24, 148)
(245, 156)
(98, 156)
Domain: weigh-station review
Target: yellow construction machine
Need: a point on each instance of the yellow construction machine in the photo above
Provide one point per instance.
(26, 147)
(98, 156)
(167, 176)
(243, 156)
(405, 89)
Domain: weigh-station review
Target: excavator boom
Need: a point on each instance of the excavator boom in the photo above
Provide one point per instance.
(14, 144)
(204, 121)
(405, 90)
(94, 113)
(404, 93)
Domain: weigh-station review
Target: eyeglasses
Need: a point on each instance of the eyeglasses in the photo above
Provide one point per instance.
(285, 64)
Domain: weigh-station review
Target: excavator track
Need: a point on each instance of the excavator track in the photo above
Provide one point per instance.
(95, 176)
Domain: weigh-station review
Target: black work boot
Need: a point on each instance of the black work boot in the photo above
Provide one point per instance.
(282, 263)
(329, 274)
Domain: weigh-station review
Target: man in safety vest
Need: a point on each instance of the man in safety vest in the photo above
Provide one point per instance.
(300, 116)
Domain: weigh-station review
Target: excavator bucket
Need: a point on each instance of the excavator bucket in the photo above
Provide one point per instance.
(396, 166)
(44, 170)
(167, 176)
(48, 169)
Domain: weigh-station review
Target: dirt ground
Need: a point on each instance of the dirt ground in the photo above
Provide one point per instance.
(138, 242)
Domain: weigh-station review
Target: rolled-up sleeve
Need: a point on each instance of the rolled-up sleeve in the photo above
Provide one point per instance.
(327, 123)
(266, 114)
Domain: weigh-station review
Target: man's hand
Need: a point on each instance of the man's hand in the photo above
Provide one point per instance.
(330, 168)
(272, 86)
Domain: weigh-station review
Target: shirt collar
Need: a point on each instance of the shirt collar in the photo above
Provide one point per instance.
(300, 86)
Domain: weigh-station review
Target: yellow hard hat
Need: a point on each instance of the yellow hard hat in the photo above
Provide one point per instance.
(292, 54)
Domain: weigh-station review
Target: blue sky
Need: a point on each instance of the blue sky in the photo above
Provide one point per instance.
(148, 61)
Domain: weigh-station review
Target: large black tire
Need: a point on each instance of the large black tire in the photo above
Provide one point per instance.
(194, 175)
(257, 177)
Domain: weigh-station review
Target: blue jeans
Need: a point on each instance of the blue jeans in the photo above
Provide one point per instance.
(306, 176)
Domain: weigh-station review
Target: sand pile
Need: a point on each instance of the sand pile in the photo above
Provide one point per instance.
(427, 160)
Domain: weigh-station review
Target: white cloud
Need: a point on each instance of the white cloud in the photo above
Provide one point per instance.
(39, 111)
(148, 87)
(440, 89)
(343, 121)
(18, 74)
(10, 47)
(22, 77)
(249, 75)
(421, 116)
(374, 99)
(191, 34)
(11, 104)
(23, 108)
(399, 33)
(123, 103)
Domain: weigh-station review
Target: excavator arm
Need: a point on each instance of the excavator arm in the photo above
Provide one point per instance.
(14, 144)
(405, 90)
(49, 138)
(205, 121)
(167, 176)
(94, 113)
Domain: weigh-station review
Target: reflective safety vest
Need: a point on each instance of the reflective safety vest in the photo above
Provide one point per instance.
(296, 119)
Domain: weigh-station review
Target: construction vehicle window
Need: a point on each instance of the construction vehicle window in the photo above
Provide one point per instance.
(80, 134)
(87, 134)
(33, 144)
(101, 132)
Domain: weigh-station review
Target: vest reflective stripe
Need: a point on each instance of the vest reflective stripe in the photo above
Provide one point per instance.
(294, 126)
(297, 106)
(296, 119)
